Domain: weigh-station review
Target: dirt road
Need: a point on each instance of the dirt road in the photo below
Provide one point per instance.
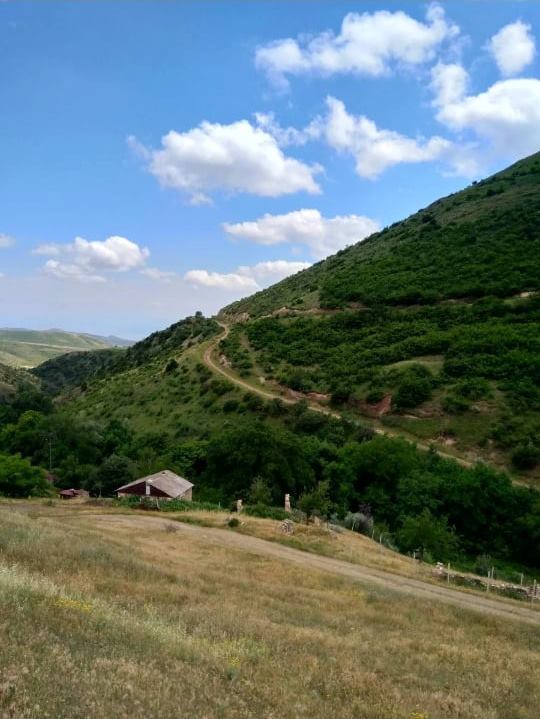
(379, 578)
(229, 374)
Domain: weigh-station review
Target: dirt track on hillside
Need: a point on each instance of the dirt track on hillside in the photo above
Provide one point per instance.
(216, 367)
(386, 580)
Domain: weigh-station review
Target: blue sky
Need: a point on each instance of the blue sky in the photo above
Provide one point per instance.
(164, 157)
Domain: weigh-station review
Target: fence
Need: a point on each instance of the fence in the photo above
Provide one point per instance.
(522, 591)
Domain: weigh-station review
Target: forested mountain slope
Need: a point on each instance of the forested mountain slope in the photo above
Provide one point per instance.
(432, 325)
(483, 241)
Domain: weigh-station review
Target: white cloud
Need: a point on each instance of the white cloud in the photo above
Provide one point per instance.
(86, 260)
(323, 236)
(156, 274)
(69, 271)
(273, 270)
(513, 48)
(449, 83)
(285, 136)
(376, 149)
(47, 249)
(246, 277)
(6, 241)
(224, 281)
(368, 44)
(506, 115)
(239, 157)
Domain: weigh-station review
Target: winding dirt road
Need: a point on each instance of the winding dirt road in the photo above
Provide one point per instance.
(366, 575)
(211, 363)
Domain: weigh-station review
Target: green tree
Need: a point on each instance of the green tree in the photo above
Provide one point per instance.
(317, 502)
(19, 478)
(259, 492)
(115, 471)
(426, 533)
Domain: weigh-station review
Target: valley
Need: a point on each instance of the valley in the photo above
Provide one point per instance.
(27, 348)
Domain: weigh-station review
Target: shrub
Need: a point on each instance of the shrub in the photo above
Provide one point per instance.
(171, 365)
(259, 492)
(453, 404)
(415, 387)
(358, 522)
(526, 456)
(266, 512)
(316, 502)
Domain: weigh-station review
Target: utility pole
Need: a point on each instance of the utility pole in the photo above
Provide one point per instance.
(49, 437)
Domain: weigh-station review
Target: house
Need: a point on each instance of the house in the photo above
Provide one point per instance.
(72, 493)
(166, 485)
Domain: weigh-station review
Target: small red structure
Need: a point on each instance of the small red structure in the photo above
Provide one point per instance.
(71, 493)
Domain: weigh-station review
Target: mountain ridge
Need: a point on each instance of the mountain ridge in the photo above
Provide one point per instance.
(22, 347)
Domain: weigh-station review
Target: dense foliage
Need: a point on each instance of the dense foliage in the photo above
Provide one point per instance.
(330, 467)
(440, 312)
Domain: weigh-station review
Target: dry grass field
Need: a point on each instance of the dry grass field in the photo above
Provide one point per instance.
(106, 619)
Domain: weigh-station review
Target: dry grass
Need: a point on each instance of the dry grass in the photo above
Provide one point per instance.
(345, 545)
(107, 621)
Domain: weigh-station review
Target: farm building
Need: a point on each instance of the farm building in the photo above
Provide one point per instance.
(72, 493)
(165, 485)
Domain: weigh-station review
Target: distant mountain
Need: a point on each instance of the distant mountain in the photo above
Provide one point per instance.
(21, 347)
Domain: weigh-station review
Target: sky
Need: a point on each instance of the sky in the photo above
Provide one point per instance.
(159, 158)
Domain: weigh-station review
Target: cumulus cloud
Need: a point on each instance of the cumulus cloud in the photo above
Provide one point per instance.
(506, 115)
(375, 149)
(239, 157)
(513, 48)
(323, 236)
(85, 260)
(368, 44)
(449, 83)
(6, 241)
(246, 277)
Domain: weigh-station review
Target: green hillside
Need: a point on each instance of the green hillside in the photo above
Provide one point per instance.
(28, 348)
(12, 380)
(296, 401)
(437, 315)
(482, 241)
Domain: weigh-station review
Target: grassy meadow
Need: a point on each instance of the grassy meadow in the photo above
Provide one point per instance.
(111, 619)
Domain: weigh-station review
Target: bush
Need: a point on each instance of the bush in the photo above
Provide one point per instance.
(526, 456)
(358, 522)
(259, 492)
(171, 365)
(233, 522)
(453, 404)
(266, 512)
(414, 388)
(317, 502)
